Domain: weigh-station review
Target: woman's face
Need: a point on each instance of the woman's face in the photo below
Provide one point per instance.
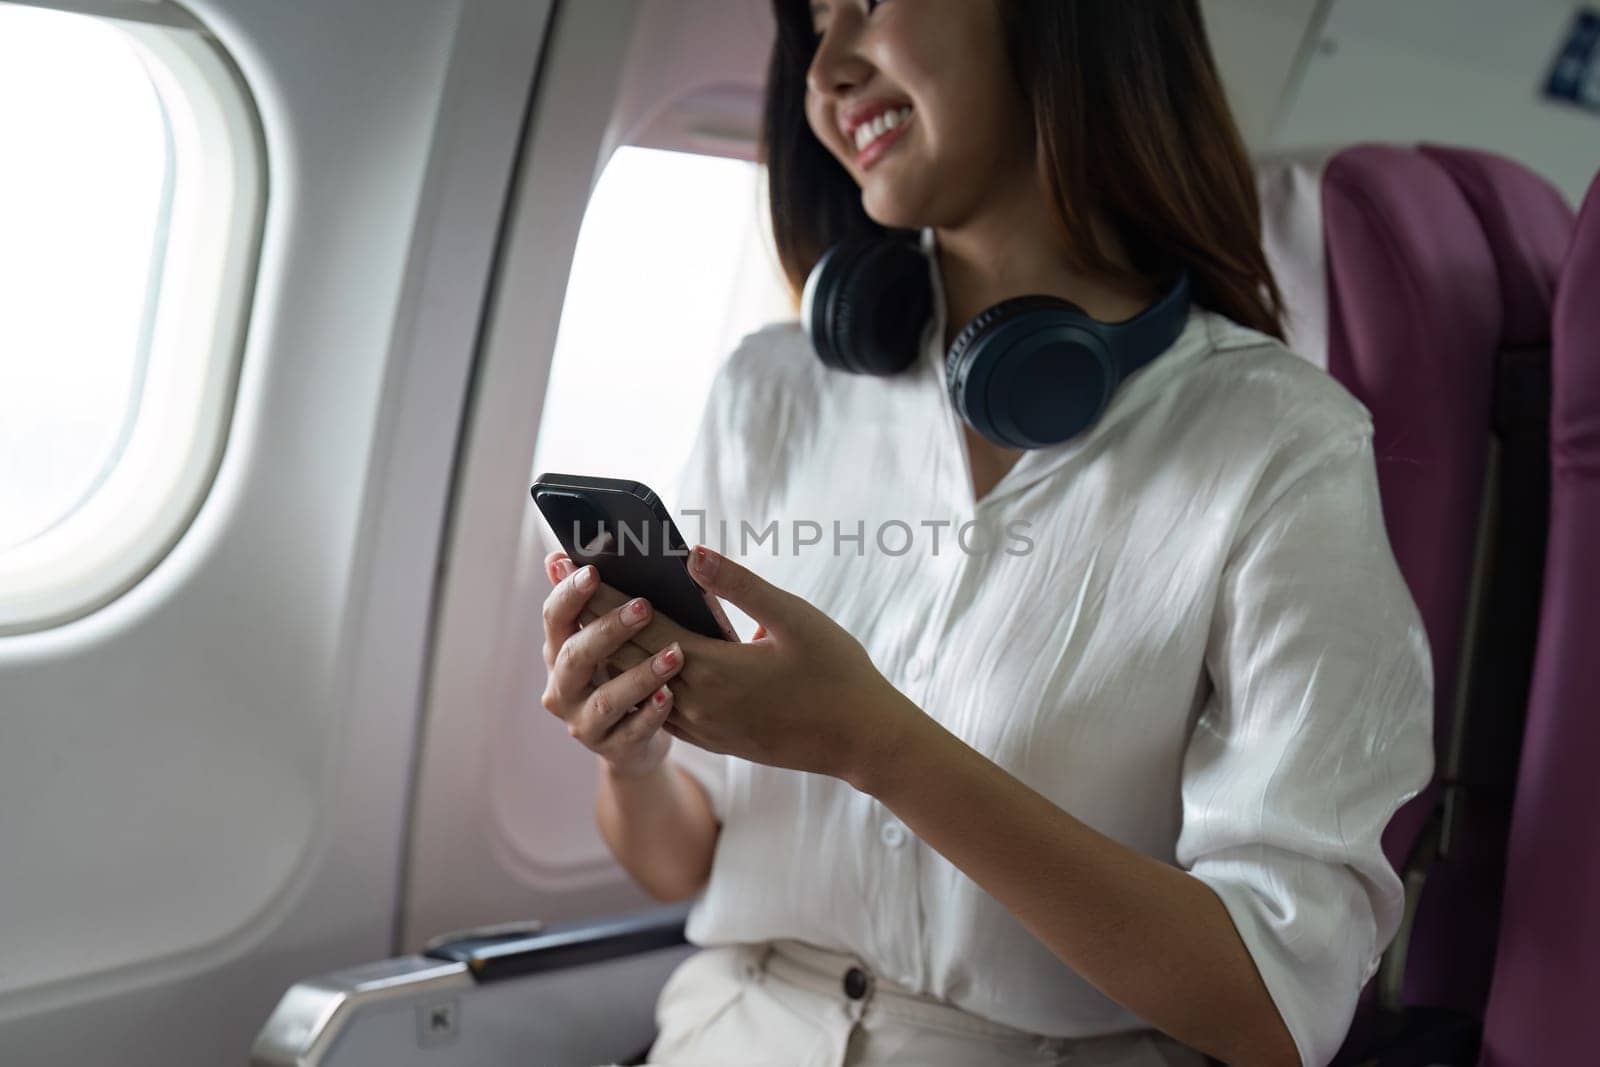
(916, 99)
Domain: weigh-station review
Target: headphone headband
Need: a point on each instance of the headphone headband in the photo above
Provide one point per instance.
(1137, 341)
(1029, 372)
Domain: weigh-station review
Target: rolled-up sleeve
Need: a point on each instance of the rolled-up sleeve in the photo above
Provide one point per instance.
(1318, 727)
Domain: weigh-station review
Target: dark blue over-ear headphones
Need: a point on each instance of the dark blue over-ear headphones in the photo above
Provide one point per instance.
(1029, 372)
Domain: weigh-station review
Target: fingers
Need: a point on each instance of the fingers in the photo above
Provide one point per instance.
(707, 676)
(628, 655)
(572, 591)
(714, 602)
(552, 565)
(610, 691)
(604, 723)
(656, 634)
(638, 728)
(745, 589)
(591, 646)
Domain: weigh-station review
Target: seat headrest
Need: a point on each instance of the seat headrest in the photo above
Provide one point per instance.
(1575, 418)
(1529, 227)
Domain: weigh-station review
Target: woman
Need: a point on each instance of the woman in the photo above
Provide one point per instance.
(1109, 789)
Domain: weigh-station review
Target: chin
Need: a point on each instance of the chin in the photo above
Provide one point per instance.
(894, 211)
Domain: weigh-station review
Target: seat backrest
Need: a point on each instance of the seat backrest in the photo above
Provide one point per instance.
(1422, 279)
(1528, 225)
(1392, 288)
(1547, 969)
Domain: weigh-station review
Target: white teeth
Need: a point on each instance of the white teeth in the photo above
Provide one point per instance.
(868, 132)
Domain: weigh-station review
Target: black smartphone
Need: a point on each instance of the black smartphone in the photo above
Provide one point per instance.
(625, 531)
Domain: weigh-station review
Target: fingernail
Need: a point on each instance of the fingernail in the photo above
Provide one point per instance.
(634, 610)
(659, 697)
(704, 562)
(666, 659)
(565, 566)
(587, 576)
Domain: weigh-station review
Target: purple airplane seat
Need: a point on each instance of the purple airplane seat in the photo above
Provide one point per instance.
(1392, 289)
(1546, 989)
(1404, 280)
(1529, 225)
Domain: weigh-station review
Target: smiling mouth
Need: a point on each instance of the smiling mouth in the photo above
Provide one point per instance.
(874, 138)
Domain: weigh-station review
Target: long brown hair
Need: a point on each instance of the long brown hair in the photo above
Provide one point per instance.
(1132, 121)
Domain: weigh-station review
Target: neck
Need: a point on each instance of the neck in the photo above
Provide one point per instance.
(1014, 247)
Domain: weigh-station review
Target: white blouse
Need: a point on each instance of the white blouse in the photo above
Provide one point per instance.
(1188, 630)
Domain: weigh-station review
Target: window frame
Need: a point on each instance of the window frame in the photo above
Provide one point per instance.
(205, 278)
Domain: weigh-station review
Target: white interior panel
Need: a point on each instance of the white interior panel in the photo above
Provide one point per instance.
(694, 81)
(1259, 45)
(1464, 72)
(202, 784)
(486, 731)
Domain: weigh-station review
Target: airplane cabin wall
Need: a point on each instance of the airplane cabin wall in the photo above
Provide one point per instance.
(502, 820)
(1259, 48)
(1463, 72)
(203, 784)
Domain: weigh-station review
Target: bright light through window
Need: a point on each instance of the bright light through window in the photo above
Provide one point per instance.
(131, 195)
(83, 197)
(673, 266)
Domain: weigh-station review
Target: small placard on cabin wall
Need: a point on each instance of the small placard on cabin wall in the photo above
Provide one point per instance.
(1576, 75)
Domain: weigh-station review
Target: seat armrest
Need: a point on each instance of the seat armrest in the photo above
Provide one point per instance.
(576, 992)
(494, 955)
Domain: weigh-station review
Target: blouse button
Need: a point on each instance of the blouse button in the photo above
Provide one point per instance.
(915, 668)
(855, 983)
(893, 834)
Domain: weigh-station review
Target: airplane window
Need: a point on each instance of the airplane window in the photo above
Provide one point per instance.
(674, 264)
(83, 230)
(129, 208)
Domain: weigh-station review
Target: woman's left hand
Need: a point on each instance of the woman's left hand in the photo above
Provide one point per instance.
(802, 694)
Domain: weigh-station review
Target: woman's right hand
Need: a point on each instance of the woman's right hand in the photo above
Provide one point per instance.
(617, 718)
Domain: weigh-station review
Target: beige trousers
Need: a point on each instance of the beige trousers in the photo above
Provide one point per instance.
(789, 1003)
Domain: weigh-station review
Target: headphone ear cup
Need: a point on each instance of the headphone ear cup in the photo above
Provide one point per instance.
(866, 304)
(1030, 372)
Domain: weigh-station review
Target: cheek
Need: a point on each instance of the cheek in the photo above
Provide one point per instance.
(953, 64)
(818, 119)
(955, 134)
(975, 134)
